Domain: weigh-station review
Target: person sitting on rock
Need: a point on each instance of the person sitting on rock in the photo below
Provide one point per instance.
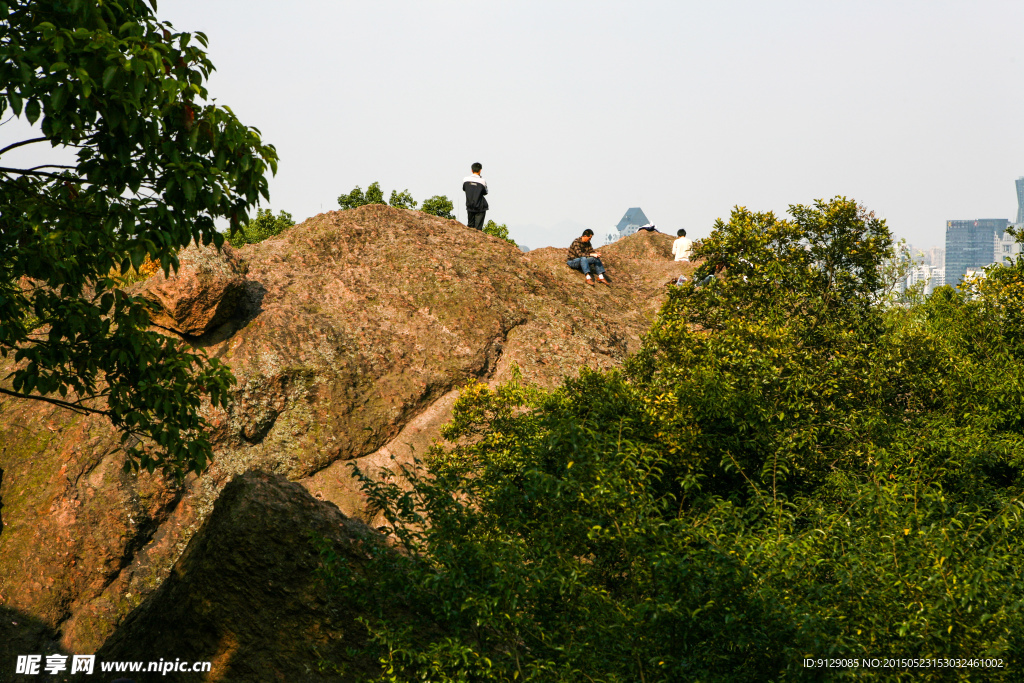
(719, 267)
(583, 257)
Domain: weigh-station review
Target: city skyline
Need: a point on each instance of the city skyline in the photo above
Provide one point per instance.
(973, 244)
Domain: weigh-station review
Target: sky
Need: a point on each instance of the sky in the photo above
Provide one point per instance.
(580, 110)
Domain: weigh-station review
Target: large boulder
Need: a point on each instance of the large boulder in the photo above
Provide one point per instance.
(246, 594)
(350, 336)
(202, 294)
(643, 245)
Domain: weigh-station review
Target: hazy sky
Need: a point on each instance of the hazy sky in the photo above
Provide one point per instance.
(580, 110)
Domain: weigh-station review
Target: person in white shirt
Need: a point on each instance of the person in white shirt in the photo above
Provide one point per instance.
(682, 246)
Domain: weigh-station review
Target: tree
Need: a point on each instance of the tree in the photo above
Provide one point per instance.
(439, 205)
(356, 198)
(374, 195)
(264, 226)
(156, 164)
(352, 200)
(499, 231)
(1001, 292)
(833, 251)
(402, 200)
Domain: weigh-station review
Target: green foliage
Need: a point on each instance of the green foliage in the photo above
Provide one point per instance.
(356, 198)
(352, 200)
(499, 231)
(439, 205)
(789, 468)
(833, 252)
(402, 200)
(1001, 295)
(894, 272)
(264, 226)
(156, 164)
(374, 195)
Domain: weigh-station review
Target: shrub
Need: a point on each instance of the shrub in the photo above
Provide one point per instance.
(356, 198)
(499, 231)
(439, 205)
(402, 200)
(264, 226)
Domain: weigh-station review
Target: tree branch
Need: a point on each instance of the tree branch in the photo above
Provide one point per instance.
(35, 168)
(76, 407)
(21, 171)
(19, 144)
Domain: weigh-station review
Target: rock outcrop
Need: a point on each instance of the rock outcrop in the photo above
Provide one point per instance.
(236, 586)
(349, 335)
(202, 294)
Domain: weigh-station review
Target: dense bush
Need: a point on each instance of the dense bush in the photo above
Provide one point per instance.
(791, 467)
(439, 205)
(402, 200)
(499, 231)
(264, 226)
(356, 198)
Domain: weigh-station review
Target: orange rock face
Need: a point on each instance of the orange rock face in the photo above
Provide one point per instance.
(203, 293)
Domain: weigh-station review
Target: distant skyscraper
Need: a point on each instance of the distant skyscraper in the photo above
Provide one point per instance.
(971, 245)
(1020, 199)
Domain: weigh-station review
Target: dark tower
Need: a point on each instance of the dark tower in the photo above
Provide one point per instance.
(1020, 199)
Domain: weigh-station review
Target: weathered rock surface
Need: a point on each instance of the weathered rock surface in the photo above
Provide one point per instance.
(203, 293)
(350, 337)
(236, 588)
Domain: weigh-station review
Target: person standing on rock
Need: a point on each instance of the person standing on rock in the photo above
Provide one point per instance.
(475, 188)
(583, 257)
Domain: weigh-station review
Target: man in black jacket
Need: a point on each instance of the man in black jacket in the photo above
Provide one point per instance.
(475, 188)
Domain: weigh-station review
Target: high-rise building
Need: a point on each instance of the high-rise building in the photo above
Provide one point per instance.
(1007, 248)
(1020, 199)
(931, 276)
(971, 244)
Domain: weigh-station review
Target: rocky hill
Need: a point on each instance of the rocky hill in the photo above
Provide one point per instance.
(350, 335)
